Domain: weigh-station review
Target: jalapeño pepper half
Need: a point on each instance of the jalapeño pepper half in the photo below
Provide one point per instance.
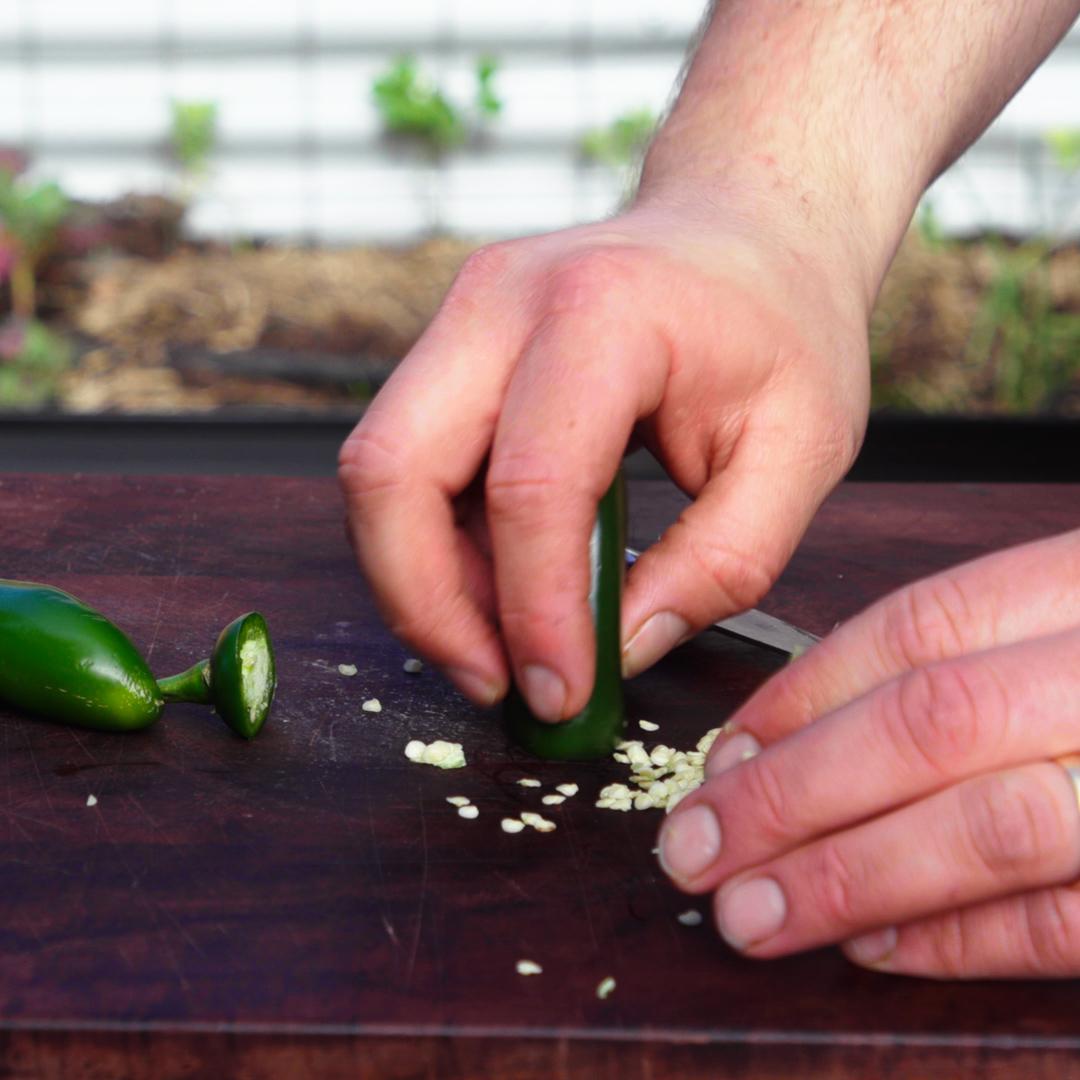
(61, 660)
(594, 731)
(238, 679)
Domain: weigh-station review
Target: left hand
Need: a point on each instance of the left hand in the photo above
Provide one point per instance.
(897, 788)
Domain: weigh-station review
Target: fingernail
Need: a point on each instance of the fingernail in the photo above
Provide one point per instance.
(545, 692)
(872, 948)
(739, 748)
(689, 842)
(751, 912)
(473, 685)
(657, 635)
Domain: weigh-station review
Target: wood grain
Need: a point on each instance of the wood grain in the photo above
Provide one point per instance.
(309, 903)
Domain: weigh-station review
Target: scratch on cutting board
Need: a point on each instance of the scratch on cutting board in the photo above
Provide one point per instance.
(37, 769)
(415, 947)
(391, 933)
(514, 886)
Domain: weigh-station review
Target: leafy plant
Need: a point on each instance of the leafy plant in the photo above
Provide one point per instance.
(1064, 144)
(32, 361)
(622, 143)
(193, 132)
(929, 225)
(488, 102)
(411, 103)
(30, 217)
(1034, 349)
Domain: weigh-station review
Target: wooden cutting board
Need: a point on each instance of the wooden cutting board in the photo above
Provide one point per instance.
(309, 902)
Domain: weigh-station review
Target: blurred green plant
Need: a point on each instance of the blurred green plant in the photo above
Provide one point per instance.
(30, 218)
(1064, 146)
(1033, 348)
(1021, 353)
(928, 225)
(621, 143)
(488, 102)
(193, 132)
(32, 361)
(412, 104)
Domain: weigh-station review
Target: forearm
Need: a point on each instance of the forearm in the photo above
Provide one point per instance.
(839, 113)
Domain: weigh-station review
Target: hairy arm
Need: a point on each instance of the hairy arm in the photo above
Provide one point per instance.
(845, 110)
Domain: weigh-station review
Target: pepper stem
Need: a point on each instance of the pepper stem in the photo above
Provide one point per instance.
(191, 685)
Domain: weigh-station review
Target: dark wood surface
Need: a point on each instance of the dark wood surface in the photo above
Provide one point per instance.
(309, 903)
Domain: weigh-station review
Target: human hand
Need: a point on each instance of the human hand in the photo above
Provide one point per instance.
(731, 346)
(896, 789)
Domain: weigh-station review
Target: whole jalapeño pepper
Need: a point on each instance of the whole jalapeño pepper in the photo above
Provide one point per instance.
(594, 731)
(64, 661)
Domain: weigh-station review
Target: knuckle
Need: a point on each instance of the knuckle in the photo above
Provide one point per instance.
(522, 486)
(938, 717)
(772, 799)
(368, 462)
(483, 268)
(927, 621)
(836, 882)
(739, 578)
(440, 619)
(1012, 823)
(590, 280)
(950, 945)
(1051, 930)
(483, 271)
(532, 624)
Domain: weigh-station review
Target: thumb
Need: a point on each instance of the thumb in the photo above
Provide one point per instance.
(730, 545)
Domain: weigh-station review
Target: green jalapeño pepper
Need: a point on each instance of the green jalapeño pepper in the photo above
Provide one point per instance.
(594, 731)
(64, 661)
(238, 679)
(61, 660)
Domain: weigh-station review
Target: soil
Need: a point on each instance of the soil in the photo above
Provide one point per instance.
(317, 330)
(273, 328)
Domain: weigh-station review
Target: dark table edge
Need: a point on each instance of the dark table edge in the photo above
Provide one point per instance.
(897, 448)
(689, 1037)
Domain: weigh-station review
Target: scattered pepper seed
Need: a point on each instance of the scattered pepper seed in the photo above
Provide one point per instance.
(346, 669)
(528, 781)
(567, 789)
(372, 705)
(664, 775)
(414, 666)
(553, 800)
(692, 917)
(457, 800)
(648, 725)
(91, 800)
(529, 967)
(469, 812)
(537, 821)
(442, 754)
(603, 991)
(512, 825)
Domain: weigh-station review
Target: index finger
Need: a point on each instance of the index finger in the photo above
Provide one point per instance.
(407, 460)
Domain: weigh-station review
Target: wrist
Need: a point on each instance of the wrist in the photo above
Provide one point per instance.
(823, 246)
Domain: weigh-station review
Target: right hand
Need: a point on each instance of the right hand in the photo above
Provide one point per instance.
(728, 344)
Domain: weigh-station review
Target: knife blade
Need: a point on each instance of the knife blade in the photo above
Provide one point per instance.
(757, 626)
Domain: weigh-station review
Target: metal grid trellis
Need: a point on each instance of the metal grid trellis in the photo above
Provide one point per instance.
(87, 90)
